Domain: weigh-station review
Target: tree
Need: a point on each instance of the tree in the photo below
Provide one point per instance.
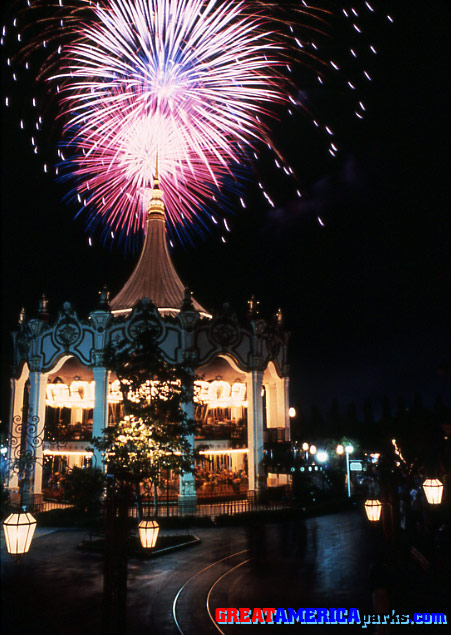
(153, 436)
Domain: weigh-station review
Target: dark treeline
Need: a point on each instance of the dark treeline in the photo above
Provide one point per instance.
(419, 431)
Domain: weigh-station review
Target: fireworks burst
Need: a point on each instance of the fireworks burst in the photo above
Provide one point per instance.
(194, 81)
(187, 80)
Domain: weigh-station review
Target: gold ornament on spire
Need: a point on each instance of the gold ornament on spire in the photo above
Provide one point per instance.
(156, 204)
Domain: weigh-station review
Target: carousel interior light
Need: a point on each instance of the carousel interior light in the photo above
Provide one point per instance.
(433, 488)
(81, 394)
(148, 533)
(224, 452)
(19, 530)
(373, 509)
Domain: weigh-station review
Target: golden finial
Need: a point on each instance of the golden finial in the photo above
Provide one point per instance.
(156, 205)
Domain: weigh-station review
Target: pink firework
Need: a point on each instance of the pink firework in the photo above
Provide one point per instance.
(113, 177)
(189, 80)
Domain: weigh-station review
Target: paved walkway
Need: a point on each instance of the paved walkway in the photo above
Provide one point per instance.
(319, 562)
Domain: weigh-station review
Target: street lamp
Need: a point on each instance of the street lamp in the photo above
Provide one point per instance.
(433, 488)
(313, 449)
(373, 509)
(19, 530)
(348, 450)
(322, 456)
(148, 533)
(340, 449)
(292, 412)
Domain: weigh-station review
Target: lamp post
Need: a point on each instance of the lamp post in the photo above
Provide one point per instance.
(348, 450)
(148, 533)
(373, 509)
(433, 489)
(19, 529)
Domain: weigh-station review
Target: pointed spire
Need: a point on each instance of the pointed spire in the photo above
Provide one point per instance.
(154, 276)
(156, 204)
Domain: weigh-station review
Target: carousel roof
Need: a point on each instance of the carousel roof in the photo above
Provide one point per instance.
(154, 276)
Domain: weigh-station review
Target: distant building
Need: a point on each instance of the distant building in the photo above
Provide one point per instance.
(62, 393)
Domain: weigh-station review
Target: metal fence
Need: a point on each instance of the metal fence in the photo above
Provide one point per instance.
(36, 504)
(205, 506)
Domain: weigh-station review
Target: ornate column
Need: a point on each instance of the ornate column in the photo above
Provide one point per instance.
(35, 426)
(16, 423)
(100, 415)
(255, 430)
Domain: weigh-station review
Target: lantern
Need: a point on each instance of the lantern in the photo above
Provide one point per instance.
(340, 449)
(148, 533)
(433, 488)
(373, 510)
(313, 449)
(19, 530)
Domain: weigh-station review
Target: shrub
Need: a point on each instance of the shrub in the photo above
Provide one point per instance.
(83, 487)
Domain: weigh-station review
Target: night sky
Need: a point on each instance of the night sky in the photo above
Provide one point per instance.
(365, 297)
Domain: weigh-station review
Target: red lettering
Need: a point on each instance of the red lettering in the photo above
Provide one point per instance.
(232, 616)
(257, 616)
(221, 616)
(245, 615)
(268, 614)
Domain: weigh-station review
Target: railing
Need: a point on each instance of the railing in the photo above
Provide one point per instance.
(207, 506)
(247, 502)
(36, 504)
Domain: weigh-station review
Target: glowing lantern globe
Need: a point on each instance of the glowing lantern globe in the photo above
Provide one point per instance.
(433, 488)
(148, 533)
(373, 510)
(19, 530)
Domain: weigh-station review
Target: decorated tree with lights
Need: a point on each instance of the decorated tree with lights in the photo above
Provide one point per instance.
(153, 435)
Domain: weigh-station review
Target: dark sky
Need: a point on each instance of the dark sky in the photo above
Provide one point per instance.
(365, 297)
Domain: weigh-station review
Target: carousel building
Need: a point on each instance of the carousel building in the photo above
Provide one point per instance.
(62, 394)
